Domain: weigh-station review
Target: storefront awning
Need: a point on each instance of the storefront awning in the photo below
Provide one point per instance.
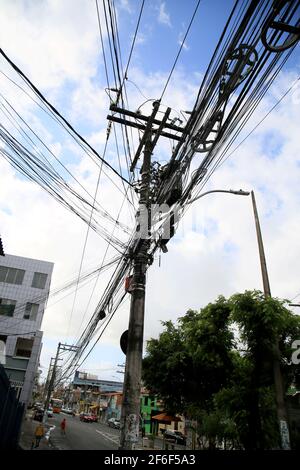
(165, 418)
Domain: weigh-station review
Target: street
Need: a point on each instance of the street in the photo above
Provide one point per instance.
(93, 436)
(82, 436)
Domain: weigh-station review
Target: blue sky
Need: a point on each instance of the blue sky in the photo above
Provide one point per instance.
(161, 38)
(57, 45)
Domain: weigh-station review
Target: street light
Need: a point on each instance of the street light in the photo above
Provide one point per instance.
(240, 192)
(278, 382)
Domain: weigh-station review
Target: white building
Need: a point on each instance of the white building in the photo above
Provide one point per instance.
(24, 289)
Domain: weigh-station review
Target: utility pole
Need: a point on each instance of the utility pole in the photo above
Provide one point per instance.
(133, 369)
(122, 367)
(130, 416)
(51, 383)
(278, 382)
(60, 347)
(48, 378)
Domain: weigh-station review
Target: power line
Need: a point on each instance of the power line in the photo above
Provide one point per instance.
(57, 113)
(87, 234)
(133, 43)
(180, 49)
(262, 120)
(42, 298)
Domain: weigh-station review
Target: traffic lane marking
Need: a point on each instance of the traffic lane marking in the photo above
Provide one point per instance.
(115, 441)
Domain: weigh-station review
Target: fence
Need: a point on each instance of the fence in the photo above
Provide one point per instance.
(11, 413)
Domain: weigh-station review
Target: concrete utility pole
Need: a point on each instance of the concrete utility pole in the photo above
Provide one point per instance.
(278, 382)
(48, 379)
(132, 379)
(130, 416)
(51, 383)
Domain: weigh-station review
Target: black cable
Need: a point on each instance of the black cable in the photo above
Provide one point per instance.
(41, 96)
(107, 79)
(133, 43)
(43, 298)
(87, 234)
(35, 169)
(102, 45)
(180, 49)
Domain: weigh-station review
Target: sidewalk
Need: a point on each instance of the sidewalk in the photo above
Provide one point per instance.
(159, 444)
(27, 438)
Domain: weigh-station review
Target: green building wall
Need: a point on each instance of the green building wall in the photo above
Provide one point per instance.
(149, 408)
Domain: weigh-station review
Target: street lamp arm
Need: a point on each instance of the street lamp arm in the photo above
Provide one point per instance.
(240, 192)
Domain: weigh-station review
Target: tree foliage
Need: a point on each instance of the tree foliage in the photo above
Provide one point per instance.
(216, 365)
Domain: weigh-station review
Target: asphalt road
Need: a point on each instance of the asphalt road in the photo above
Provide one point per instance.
(83, 436)
(93, 436)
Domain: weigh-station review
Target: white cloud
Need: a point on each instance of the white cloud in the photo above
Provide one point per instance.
(60, 46)
(218, 255)
(125, 5)
(184, 44)
(163, 15)
(141, 38)
(89, 103)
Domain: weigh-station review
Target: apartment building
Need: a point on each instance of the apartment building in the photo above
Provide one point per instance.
(24, 290)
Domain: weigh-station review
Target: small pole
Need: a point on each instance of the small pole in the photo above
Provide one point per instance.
(51, 383)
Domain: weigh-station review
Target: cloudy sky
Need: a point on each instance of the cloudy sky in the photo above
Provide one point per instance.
(57, 45)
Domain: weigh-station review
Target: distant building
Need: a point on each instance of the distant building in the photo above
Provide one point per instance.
(87, 391)
(113, 406)
(24, 290)
(88, 382)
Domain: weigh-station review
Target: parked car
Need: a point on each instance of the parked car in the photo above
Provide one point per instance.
(87, 418)
(68, 411)
(117, 424)
(175, 436)
(94, 418)
(111, 423)
(38, 415)
(37, 406)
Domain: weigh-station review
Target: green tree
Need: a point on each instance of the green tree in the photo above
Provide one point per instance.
(199, 368)
(188, 363)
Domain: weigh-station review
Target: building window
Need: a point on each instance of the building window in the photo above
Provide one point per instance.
(11, 275)
(23, 347)
(7, 307)
(17, 385)
(3, 339)
(39, 280)
(31, 311)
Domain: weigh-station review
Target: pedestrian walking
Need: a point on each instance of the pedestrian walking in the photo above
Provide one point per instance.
(63, 426)
(39, 433)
